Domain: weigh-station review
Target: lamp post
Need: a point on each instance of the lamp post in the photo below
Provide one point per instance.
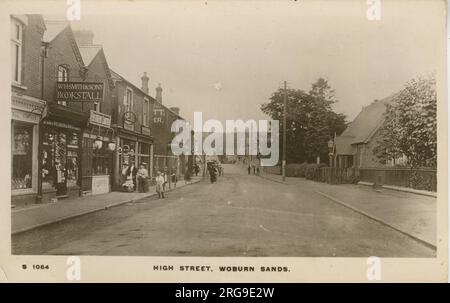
(191, 167)
(169, 164)
(330, 151)
(283, 159)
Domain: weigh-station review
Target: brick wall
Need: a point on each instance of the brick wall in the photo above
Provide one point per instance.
(61, 52)
(119, 94)
(31, 57)
(368, 157)
(97, 72)
(161, 131)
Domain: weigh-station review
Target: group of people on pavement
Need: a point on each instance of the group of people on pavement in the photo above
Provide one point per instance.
(255, 169)
(214, 168)
(162, 178)
(135, 179)
(138, 179)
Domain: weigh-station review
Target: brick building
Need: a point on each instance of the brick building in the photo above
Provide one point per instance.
(354, 147)
(65, 145)
(99, 140)
(146, 131)
(27, 105)
(131, 120)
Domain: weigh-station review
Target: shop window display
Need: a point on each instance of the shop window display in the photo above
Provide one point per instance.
(102, 161)
(144, 154)
(22, 156)
(60, 158)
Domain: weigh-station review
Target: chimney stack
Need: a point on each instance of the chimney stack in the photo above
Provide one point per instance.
(84, 37)
(175, 110)
(159, 93)
(145, 79)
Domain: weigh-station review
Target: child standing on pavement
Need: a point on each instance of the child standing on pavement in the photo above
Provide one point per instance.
(160, 185)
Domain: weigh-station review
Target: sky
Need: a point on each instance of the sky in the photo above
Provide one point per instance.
(225, 59)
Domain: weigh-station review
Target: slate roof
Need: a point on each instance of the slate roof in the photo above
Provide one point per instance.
(361, 129)
(344, 145)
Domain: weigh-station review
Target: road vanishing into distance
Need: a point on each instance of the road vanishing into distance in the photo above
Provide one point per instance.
(240, 215)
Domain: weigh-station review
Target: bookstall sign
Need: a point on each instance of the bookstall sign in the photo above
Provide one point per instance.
(80, 91)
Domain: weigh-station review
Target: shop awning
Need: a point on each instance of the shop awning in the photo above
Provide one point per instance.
(65, 114)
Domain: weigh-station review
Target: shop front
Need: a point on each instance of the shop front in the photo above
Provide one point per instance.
(60, 152)
(132, 148)
(99, 144)
(26, 115)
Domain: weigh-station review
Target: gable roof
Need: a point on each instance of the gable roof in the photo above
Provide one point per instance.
(364, 126)
(88, 53)
(53, 28)
(344, 145)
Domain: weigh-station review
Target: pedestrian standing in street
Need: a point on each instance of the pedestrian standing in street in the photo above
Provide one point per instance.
(196, 169)
(174, 178)
(131, 174)
(166, 178)
(160, 185)
(142, 176)
(254, 169)
(213, 173)
(249, 169)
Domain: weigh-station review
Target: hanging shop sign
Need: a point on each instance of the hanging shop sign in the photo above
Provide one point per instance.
(100, 119)
(145, 130)
(129, 119)
(79, 91)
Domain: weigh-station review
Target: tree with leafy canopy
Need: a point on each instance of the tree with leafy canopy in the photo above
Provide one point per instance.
(310, 121)
(410, 126)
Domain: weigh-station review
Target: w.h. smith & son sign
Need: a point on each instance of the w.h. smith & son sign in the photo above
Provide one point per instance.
(79, 91)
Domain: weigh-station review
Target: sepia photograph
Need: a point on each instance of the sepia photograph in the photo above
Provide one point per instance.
(250, 129)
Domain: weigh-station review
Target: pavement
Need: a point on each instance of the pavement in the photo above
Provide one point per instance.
(28, 217)
(240, 215)
(413, 214)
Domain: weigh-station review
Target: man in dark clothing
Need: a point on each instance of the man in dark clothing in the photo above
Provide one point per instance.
(249, 169)
(132, 171)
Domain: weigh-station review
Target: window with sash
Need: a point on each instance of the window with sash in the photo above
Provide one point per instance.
(62, 76)
(16, 50)
(145, 113)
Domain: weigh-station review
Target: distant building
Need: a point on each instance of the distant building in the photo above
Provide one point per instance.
(354, 147)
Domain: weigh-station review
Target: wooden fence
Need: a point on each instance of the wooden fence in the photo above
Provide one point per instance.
(424, 179)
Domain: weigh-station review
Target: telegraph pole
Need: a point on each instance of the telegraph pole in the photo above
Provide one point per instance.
(283, 159)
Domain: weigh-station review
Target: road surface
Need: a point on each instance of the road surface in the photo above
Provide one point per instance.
(240, 215)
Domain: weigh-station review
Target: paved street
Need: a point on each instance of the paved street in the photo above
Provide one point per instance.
(241, 215)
